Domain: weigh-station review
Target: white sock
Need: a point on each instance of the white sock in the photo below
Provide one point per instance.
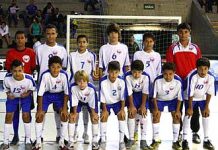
(175, 132)
(27, 128)
(131, 126)
(156, 127)
(137, 119)
(58, 123)
(85, 119)
(94, 132)
(76, 125)
(38, 132)
(144, 125)
(121, 130)
(103, 131)
(7, 132)
(186, 126)
(43, 124)
(63, 135)
(71, 130)
(205, 123)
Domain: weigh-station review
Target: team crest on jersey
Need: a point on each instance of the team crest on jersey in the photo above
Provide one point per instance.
(119, 88)
(55, 52)
(86, 94)
(119, 51)
(152, 59)
(58, 81)
(171, 88)
(22, 87)
(89, 61)
(26, 58)
(206, 82)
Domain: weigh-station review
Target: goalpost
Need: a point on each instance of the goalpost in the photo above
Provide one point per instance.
(163, 27)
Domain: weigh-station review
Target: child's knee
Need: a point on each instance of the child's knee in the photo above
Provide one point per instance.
(40, 119)
(156, 119)
(26, 117)
(8, 118)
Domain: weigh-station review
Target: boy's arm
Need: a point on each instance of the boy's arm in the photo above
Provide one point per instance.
(39, 102)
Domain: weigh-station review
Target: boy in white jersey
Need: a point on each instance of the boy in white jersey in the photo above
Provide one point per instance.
(43, 53)
(83, 93)
(152, 64)
(53, 89)
(200, 88)
(83, 59)
(112, 93)
(138, 83)
(167, 92)
(19, 88)
(113, 51)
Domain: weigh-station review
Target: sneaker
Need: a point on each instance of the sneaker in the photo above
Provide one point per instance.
(155, 144)
(176, 145)
(58, 139)
(126, 140)
(14, 141)
(180, 138)
(71, 146)
(185, 145)
(95, 145)
(38, 146)
(62, 146)
(102, 146)
(4, 146)
(208, 145)
(144, 145)
(129, 144)
(75, 138)
(28, 146)
(196, 138)
(34, 143)
(86, 138)
(136, 136)
(65, 142)
(122, 146)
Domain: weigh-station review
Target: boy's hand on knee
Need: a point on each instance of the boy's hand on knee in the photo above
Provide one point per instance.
(121, 114)
(177, 115)
(132, 111)
(189, 112)
(94, 117)
(64, 114)
(73, 117)
(39, 114)
(25, 94)
(104, 114)
(206, 112)
(142, 111)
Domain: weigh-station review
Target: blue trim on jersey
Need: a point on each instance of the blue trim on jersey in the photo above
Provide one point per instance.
(210, 73)
(96, 96)
(41, 79)
(190, 78)
(31, 79)
(8, 75)
(176, 77)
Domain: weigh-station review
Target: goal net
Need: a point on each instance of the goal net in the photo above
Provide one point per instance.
(163, 28)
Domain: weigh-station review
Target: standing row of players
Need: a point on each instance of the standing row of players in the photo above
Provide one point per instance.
(109, 52)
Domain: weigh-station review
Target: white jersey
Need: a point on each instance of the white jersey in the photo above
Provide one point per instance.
(118, 52)
(141, 84)
(18, 87)
(44, 52)
(166, 91)
(85, 61)
(198, 87)
(111, 93)
(151, 61)
(87, 95)
(50, 84)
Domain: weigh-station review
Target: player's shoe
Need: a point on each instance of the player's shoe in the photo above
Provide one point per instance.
(155, 144)
(4, 146)
(208, 145)
(185, 145)
(95, 145)
(129, 144)
(28, 146)
(102, 146)
(196, 138)
(144, 145)
(85, 138)
(14, 141)
(38, 146)
(71, 146)
(176, 145)
(136, 136)
(122, 146)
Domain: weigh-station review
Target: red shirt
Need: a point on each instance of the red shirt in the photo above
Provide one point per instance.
(27, 56)
(184, 57)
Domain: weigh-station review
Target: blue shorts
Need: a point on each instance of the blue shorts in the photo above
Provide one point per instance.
(25, 104)
(172, 105)
(116, 107)
(81, 104)
(137, 100)
(56, 98)
(196, 104)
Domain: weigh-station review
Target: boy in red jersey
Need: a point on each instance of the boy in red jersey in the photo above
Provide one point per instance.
(27, 57)
(185, 54)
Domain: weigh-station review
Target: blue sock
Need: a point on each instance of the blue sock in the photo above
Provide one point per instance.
(16, 121)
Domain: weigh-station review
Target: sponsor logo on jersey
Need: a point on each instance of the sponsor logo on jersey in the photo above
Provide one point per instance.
(26, 58)
(119, 51)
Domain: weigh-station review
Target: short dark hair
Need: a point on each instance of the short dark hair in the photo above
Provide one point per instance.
(54, 59)
(16, 63)
(184, 26)
(51, 26)
(82, 36)
(203, 62)
(169, 66)
(137, 65)
(113, 65)
(113, 27)
(19, 32)
(148, 35)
